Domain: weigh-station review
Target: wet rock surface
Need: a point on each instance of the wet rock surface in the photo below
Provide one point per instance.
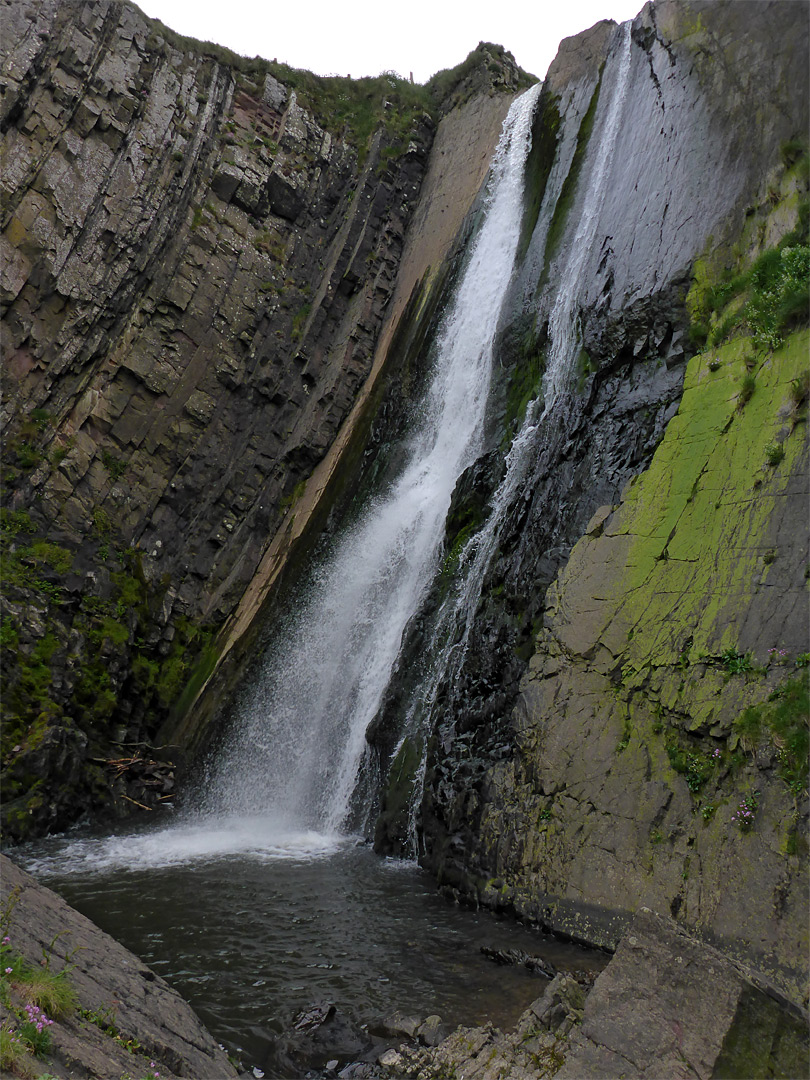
(127, 1017)
(666, 1005)
(318, 1039)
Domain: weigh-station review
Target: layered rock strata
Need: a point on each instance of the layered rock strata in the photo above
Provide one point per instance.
(196, 274)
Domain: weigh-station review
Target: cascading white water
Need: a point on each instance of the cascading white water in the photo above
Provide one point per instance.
(459, 610)
(563, 323)
(299, 739)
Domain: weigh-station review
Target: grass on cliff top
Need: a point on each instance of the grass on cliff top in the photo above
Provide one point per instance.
(347, 107)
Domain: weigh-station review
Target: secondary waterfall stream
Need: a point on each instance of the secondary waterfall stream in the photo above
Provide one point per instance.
(452, 626)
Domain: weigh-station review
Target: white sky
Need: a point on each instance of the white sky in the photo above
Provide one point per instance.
(365, 37)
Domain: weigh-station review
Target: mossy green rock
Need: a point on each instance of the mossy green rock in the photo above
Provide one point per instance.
(679, 608)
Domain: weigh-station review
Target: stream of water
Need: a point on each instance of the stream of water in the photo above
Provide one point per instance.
(453, 624)
(298, 740)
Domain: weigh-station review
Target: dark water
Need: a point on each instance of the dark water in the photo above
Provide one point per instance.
(250, 930)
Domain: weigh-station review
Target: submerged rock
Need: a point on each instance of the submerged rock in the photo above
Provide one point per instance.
(520, 958)
(666, 1005)
(317, 1037)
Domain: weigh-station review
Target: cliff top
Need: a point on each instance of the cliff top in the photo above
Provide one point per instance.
(353, 108)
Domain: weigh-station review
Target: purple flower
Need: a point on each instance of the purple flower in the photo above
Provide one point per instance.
(9, 971)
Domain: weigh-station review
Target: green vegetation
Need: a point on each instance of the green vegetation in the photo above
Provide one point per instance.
(299, 319)
(525, 383)
(14, 522)
(349, 108)
(545, 132)
(736, 663)
(784, 723)
(104, 1020)
(114, 466)
(453, 554)
(764, 299)
(292, 498)
(774, 454)
(32, 565)
(695, 766)
(463, 520)
(115, 656)
(32, 997)
(627, 734)
(748, 385)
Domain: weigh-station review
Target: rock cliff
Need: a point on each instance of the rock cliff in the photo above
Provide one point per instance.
(629, 725)
(118, 1016)
(196, 274)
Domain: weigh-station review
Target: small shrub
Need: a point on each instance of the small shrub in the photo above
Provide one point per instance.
(9, 638)
(16, 521)
(49, 992)
(736, 663)
(114, 466)
(747, 388)
(15, 1055)
(627, 733)
(791, 151)
(744, 815)
(698, 333)
(774, 454)
(57, 558)
(800, 390)
(27, 456)
(101, 522)
(693, 766)
(748, 727)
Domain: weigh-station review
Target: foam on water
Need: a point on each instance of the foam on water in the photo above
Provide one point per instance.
(248, 836)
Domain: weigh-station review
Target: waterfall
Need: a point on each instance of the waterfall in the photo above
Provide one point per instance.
(298, 741)
(453, 624)
(563, 324)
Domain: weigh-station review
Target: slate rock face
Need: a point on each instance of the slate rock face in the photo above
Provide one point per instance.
(203, 306)
(666, 1005)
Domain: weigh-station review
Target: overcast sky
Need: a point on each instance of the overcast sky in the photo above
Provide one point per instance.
(365, 37)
